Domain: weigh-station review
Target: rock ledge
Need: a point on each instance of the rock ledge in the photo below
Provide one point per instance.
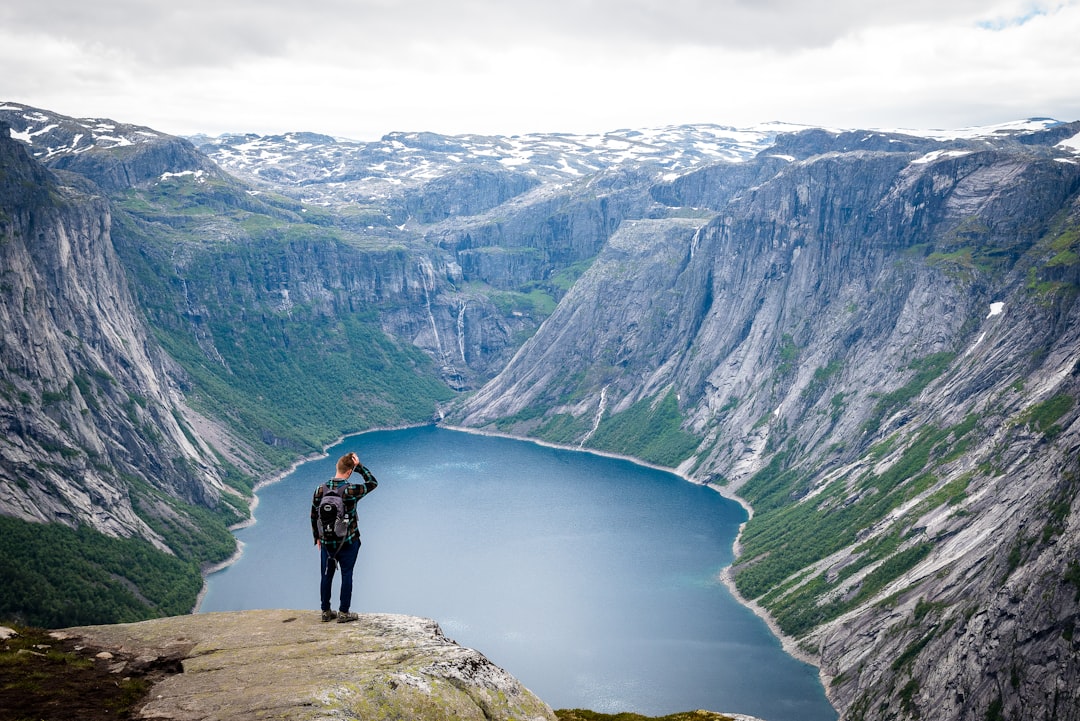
(282, 664)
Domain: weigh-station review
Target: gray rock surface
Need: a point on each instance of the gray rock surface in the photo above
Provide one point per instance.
(282, 664)
(82, 378)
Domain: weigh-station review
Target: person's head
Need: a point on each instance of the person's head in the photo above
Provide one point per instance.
(347, 463)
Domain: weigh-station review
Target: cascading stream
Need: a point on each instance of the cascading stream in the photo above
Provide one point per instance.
(596, 419)
(427, 273)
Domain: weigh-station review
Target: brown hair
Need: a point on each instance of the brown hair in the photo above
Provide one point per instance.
(346, 463)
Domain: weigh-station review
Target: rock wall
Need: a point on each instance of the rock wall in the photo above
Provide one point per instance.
(87, 396)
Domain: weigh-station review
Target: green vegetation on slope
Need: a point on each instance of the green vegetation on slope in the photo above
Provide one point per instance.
(303, 384)
(926, 371)
(1043, 417)
(1056, 275)
(787, 536)
(289, 378)
(649, 430)
(55, 576)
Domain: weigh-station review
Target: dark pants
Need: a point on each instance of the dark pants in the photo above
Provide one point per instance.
(346, 558)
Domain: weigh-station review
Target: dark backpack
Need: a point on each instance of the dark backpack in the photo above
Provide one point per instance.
(333, 521)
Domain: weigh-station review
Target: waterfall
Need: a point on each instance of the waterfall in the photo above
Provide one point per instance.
(461, 330)
(427, 277)
(596, 419)
(694, 242)
(203, 338)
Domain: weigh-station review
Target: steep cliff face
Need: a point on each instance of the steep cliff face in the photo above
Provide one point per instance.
(879, 351)
(88, 398)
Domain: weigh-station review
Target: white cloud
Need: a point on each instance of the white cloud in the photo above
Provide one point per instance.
(361, 68)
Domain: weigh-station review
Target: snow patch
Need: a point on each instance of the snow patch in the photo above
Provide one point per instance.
(120, 142)
(938, 155)
(976, 343)
(996, 309)
(1072, 144)
(981, 131)
(199, 175)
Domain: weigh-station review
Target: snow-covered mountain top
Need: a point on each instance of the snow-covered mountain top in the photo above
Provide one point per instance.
(306, 157)
(321, 168)
(1016, 127)
(325, 169)
(50, 134)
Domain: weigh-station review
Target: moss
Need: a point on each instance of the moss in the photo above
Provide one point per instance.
(820, 381)
(994, 710)
(45, 679)
(911, 652)
(1072, 575)
(907, 696)
(533, 301)
(952, 493)
(788, 355)
(1066, 248)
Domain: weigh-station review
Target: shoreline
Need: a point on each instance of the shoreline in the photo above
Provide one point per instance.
(725, 576)
(253, 504)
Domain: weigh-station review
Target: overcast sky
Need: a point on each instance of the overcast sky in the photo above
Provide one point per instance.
(363, 68)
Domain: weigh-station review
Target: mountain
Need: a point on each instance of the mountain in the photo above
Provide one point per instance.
(96, 429)
(878, 351)
(870, 337)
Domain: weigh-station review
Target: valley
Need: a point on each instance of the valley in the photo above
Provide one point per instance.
(870, 337)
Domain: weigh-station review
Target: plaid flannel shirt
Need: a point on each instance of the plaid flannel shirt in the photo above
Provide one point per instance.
(353, 492)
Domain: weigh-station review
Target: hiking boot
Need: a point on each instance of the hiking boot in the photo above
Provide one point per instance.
(329, 616)
(346, 617)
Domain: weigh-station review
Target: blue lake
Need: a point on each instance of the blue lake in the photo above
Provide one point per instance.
(592, 580)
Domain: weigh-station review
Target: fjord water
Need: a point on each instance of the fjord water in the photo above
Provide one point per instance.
(592, 580)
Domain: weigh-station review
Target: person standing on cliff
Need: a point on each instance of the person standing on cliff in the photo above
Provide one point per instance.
(340, 552)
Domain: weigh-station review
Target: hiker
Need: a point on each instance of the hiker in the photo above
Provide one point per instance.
(333, 523)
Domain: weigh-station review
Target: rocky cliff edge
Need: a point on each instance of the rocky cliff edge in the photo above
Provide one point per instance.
(282, 664)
